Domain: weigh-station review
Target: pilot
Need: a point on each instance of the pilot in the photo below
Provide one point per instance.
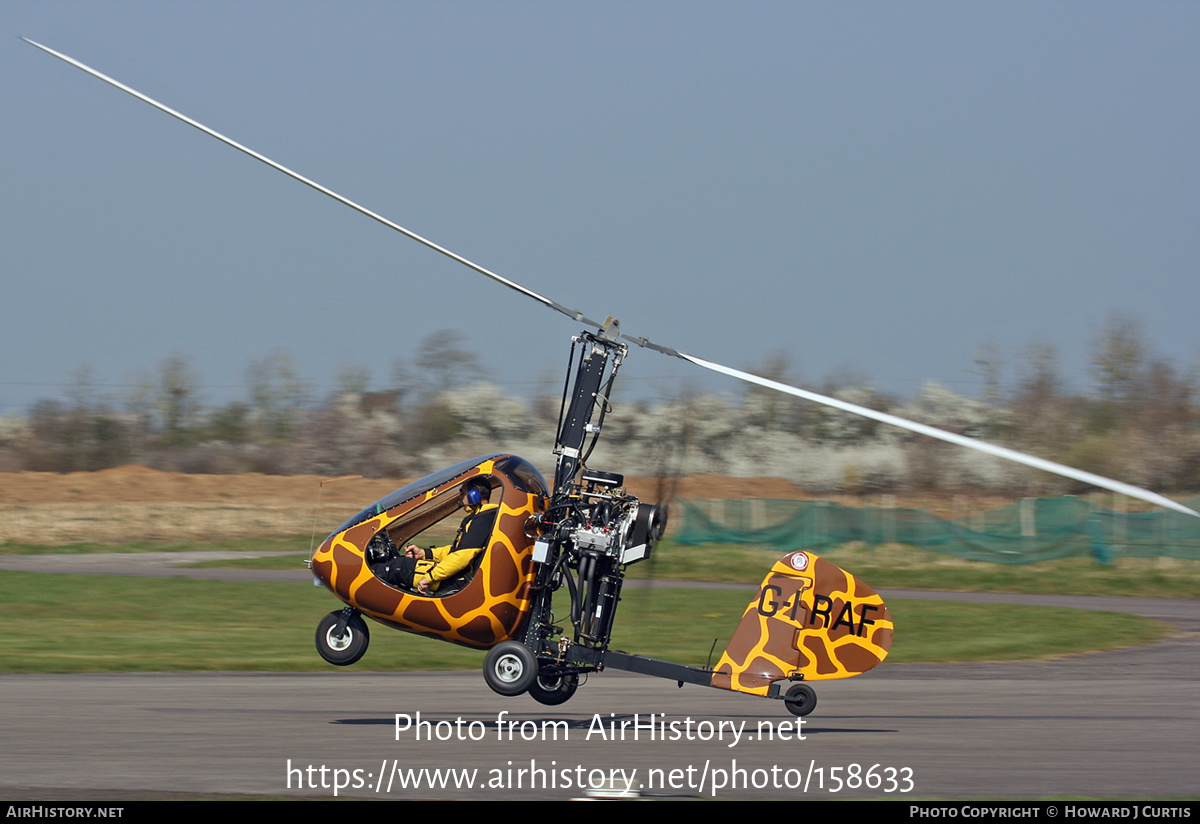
(427, 569)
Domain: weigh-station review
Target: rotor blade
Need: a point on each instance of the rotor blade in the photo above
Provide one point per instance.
(941, 434)
(574, 314)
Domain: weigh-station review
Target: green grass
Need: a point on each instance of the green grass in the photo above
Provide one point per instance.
(97, 623)
(93, 623)
(681, 625)
(289, 561)
(926, 631)
(897, 566)
(74, 623)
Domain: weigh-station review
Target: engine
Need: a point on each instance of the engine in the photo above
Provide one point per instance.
(600, 520)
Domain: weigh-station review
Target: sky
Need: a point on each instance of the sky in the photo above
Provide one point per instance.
(877, 189)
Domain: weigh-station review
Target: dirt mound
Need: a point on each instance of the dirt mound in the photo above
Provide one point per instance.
(134, 503)
(138, 484)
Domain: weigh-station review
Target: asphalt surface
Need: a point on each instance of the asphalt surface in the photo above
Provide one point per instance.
(1119, 724)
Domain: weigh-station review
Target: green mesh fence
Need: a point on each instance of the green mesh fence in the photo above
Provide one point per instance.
(1034, 529)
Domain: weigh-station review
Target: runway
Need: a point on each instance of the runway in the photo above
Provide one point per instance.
(1107, 725)
(1119, 724)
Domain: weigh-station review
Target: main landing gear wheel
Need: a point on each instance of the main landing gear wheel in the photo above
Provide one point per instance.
(553, 690)
(801, 700)
(510, 668)
(347, 648)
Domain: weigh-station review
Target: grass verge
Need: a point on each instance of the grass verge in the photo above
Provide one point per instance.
(897, 566)
(94, 623)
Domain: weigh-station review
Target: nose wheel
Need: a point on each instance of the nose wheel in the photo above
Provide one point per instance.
(345, 645)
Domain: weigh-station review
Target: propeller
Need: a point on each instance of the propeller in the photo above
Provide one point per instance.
(576, 315)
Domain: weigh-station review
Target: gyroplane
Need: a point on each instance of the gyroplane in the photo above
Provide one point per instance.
(524, 541)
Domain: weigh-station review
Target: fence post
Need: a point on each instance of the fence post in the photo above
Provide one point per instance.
(1121, 525)
(819, 520)
(1028, 518)
(1029, 526)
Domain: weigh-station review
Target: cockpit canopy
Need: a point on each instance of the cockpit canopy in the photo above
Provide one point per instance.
(523, 476)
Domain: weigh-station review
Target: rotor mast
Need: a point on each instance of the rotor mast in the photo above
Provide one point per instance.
(585, 396)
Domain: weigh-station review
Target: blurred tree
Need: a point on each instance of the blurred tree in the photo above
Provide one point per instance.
(833, 426)
(78, 436)
(230, 423)
(177, 401)
(1043, 419)
(353, 379)
(444, 358)
(1120, 363)
(277, 396)
(989, 365)
(767, 409)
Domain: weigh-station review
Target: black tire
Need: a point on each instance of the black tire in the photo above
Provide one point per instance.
(801, 700)
(347, 649)
(509, 668)
(553, 690)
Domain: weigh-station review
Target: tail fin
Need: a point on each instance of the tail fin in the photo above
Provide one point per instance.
(809, 619)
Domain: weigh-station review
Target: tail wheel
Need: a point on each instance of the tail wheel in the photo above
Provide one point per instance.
(553, 690)
(801, 700)
(342, 650)
(510, 668)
